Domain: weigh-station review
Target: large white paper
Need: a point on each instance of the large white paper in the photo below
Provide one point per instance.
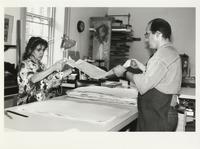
(106, 94)
(91, 70)
(73, 110)
(139, 64)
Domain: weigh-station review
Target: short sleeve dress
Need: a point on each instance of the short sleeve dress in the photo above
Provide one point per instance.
(41, 90)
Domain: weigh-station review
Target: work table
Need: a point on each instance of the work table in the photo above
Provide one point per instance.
(37, 122)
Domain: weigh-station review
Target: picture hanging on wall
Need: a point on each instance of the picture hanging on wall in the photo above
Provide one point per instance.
(100, 28)
(8, 28)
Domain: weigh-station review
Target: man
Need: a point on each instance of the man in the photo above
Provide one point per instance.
(160, 80)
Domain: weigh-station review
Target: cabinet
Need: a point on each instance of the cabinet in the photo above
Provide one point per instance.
(187, 104)
(10, 75)
(10, 100)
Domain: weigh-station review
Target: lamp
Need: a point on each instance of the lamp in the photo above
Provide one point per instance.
(67, 43)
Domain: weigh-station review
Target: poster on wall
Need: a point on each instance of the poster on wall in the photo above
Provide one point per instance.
(8, 27)
(101, 39)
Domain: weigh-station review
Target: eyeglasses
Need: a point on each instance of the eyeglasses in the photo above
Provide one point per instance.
(146, 35)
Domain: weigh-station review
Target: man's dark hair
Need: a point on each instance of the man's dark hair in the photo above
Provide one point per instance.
(32, 44)
(162, 26)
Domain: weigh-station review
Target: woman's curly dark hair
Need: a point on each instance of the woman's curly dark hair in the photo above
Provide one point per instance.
(32, 44)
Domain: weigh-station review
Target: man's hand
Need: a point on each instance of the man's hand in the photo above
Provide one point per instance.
(119, 70)
(139, 65)
(133, 64)
(130, 63)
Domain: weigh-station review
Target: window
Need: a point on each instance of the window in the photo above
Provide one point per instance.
(40, 21)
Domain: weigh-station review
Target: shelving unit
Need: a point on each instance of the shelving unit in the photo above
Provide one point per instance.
(121, 35)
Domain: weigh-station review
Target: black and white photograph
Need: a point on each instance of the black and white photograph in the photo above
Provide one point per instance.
(123, 70)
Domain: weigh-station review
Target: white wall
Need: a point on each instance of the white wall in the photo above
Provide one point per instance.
(182, 21)
(16, 13)
(82, 39)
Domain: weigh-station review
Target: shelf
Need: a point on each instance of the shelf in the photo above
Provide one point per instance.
(10, 90)
(121, 30)
(122, 34)
(9, 96)
(10, 86)
(6, 47)
(121, 15)
(115, 30)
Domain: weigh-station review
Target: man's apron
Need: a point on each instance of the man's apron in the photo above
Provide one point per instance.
(153, 107)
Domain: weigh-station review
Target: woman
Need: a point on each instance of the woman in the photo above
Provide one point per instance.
(35, 81)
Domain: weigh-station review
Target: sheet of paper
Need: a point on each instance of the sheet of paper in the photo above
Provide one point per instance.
(140, 65)
(91, 70)
(73, 110)
(117, 92)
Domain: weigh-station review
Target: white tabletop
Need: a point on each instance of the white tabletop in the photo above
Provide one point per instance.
(187, 92)
(37, 122)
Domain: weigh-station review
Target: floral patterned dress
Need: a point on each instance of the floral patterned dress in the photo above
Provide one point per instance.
(41, 90)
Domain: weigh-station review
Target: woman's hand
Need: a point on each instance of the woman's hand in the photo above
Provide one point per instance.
(57, 66)
(119, 70)
(67, 72)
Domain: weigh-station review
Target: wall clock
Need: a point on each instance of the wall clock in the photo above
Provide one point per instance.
(80, 26)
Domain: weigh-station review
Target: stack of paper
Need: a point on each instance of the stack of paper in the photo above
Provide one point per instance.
(106, 94)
